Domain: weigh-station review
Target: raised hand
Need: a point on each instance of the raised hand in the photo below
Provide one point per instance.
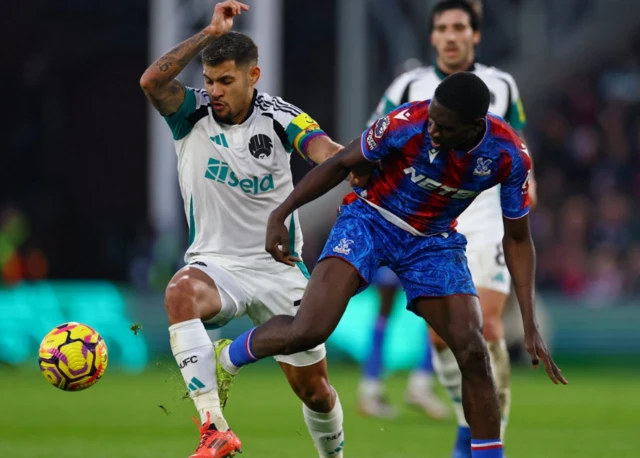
(223, 15)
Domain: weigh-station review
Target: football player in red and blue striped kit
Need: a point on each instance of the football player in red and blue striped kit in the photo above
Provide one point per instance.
(436, 157)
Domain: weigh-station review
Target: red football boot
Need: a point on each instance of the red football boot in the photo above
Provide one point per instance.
(216, 444)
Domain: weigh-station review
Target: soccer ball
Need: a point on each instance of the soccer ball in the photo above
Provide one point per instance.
(72, 357)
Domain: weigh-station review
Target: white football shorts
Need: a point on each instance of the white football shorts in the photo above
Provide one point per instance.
(488, 268)
(261, 294)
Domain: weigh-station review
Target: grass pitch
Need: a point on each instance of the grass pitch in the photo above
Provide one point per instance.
(596, 415)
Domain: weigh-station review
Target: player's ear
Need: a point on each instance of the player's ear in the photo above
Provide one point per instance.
(480, 124)
(254, 75)
(476, 37)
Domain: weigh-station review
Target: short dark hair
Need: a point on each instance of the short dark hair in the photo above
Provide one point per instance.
(472, 7)
(465, 94)
(234, 46)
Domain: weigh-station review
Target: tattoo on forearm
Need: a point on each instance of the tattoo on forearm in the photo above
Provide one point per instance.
(174, 61)
(162, 88)
(164, 63)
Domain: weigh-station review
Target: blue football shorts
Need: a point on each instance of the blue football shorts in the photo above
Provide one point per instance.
(433, 266)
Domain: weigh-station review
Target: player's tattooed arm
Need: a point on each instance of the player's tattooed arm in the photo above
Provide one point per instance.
(159, 81)
(520, 258)
(318, 181)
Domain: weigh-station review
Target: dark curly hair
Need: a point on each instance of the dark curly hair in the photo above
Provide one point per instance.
(234, 46)
(465, 94)
(472, 7)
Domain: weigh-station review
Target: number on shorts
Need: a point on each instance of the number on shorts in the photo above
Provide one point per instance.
(500, 255)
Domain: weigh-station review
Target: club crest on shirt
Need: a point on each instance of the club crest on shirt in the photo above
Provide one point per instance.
(343, 246)
(482, 167)
(260, 146)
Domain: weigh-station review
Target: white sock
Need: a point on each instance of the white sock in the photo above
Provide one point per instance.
(420, 382)
(326, 430)
(501, 369)
(448, 372)
(225, 361)
(370, 388)
(195, 356)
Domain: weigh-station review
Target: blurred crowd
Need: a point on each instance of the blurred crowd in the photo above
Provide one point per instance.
(587, 160)
(20, 256)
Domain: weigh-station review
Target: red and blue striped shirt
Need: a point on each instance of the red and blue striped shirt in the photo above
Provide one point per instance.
(428, 189)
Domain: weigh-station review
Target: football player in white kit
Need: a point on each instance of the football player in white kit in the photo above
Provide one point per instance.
(233, 146)
(454, 34)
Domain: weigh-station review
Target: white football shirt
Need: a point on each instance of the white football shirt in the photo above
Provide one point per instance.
(233, 176)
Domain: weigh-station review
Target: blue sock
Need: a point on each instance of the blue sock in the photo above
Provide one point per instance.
(373, 366)
(240, 349)
(486, 448)
(462, 447)
(426, 365)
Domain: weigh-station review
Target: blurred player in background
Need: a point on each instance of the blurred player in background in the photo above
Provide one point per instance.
(455, 31)
(233, 146)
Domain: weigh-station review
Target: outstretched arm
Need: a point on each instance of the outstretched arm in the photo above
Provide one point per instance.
(159, 81)
(520, 257)
(322, 148)
(323, 178)
(318, 181)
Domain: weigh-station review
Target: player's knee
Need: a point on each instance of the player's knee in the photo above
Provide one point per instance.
(472, 354)
(493, 329)
(317, 394)
(179, 299)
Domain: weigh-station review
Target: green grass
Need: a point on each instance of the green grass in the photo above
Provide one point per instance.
(597, 415)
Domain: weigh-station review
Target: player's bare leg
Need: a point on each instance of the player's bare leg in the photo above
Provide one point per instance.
(446, 367)
(333, 282)
(371, 398)
(191, 297)
(458, 321)
(492, 303)
(321, 407)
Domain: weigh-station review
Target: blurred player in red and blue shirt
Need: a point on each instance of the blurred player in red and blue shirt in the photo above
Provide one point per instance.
(436, 157)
